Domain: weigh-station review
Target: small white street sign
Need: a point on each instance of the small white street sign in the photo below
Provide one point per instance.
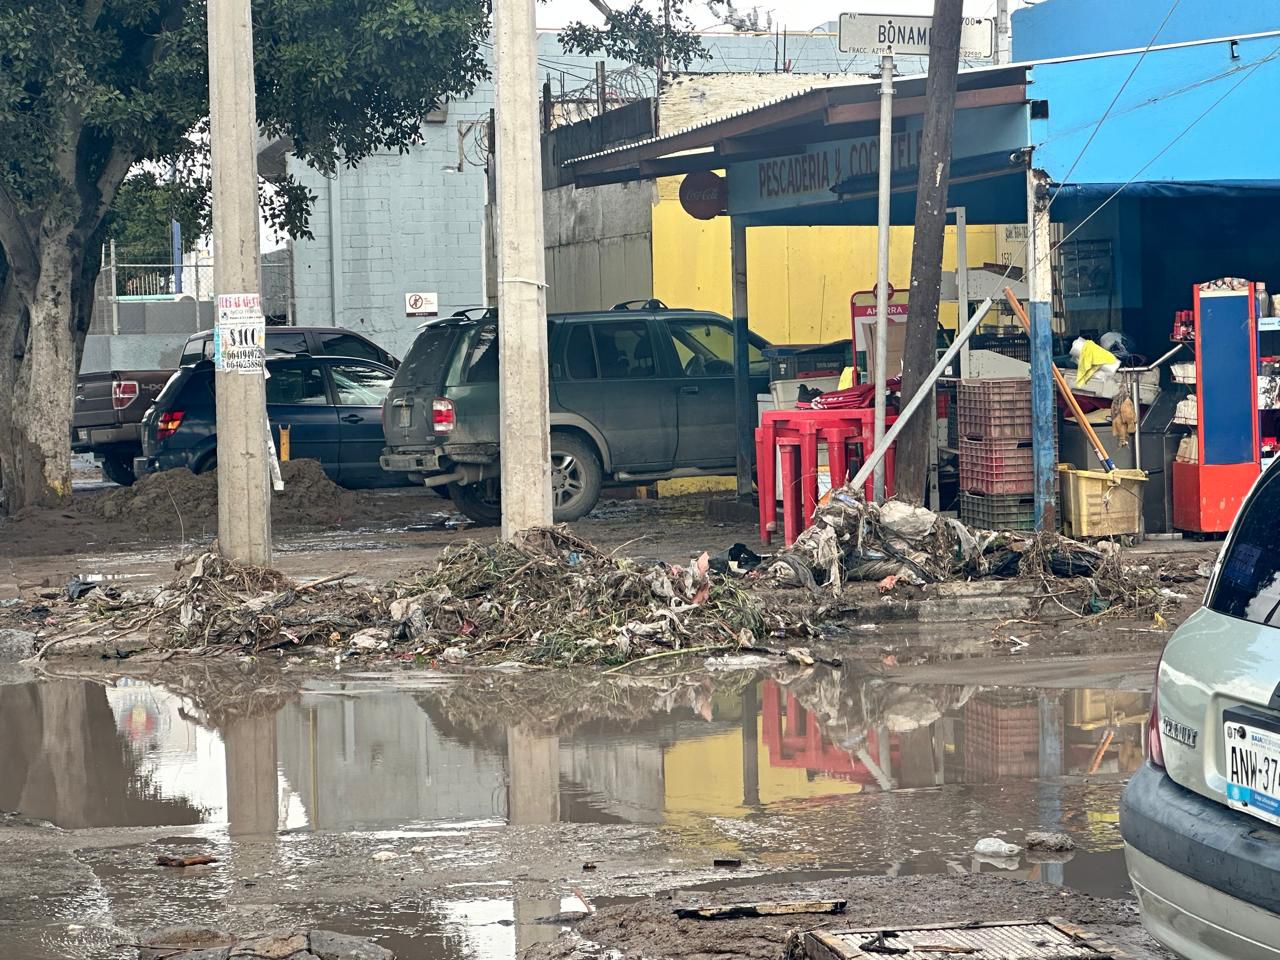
(887, 33)
(421, 305)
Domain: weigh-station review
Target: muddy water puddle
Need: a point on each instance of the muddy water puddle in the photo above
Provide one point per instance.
(459, 817)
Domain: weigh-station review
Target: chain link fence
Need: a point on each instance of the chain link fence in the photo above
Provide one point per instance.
(136, 298)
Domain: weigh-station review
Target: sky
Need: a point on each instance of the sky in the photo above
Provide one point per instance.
(798, 15)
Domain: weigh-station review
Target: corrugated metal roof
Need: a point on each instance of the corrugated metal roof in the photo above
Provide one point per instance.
(699, 126)
(871, 82)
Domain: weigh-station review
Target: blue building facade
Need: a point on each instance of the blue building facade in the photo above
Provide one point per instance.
(1067, 28)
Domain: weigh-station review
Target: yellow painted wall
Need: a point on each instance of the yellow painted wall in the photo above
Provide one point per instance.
(704, 777)
(799, 279)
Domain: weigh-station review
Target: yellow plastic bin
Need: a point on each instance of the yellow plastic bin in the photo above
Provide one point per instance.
(1100, 504)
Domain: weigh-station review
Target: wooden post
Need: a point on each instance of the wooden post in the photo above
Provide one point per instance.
(926, 252)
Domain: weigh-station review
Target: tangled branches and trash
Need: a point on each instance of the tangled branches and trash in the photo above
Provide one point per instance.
(549, 597)
(852, 539)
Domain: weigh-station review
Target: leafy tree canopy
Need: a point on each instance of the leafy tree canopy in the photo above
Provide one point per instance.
(639, 35)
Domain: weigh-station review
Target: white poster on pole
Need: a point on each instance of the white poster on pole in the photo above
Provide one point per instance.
(240, 334)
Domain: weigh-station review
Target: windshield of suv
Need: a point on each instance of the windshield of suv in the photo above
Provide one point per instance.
(1248, 586)
(705, 349)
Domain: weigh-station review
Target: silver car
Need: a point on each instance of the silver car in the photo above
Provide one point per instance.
(1201, 820)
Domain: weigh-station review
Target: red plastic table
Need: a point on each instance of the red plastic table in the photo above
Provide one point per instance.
(794, 435)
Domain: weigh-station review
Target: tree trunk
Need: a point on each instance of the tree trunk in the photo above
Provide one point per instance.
(41, 326)
(911, 467)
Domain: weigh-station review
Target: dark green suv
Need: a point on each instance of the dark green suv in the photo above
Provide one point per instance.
(638, 393)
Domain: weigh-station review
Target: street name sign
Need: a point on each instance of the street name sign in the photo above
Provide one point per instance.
(887, 34)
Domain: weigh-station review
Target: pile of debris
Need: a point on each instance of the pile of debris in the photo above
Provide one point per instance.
(893, 542)
(547, 597)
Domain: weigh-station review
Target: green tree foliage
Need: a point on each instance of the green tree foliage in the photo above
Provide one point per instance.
(91, 88)
(639, 35)
(145, 206)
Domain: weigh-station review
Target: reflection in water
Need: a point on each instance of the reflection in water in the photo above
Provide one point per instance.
(69, 759)
(362, 758)
(800, 771)
(741, 762)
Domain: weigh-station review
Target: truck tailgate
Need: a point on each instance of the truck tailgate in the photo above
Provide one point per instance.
(115, 397)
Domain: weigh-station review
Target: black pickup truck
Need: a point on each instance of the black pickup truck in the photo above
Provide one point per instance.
(109, 406)
(108, 417)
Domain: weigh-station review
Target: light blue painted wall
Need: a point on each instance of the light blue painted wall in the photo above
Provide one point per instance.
(1235, 140)
(1063, 28)
(413, 222)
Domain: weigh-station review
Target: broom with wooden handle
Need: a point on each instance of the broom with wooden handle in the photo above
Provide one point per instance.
(1099, 450)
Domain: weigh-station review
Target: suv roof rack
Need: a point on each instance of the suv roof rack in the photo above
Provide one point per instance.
(650, 304)
(476, 313)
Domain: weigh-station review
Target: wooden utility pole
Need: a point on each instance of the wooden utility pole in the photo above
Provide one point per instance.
(926, 252)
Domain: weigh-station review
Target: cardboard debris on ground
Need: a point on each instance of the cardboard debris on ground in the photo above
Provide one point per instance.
(737, 911)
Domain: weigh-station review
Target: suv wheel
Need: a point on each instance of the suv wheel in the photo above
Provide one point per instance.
(576, 479)
(118, 469)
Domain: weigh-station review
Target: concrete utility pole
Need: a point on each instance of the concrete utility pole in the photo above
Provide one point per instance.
(522, 289)
(882, 262)
(919, 352)
(1002, 51)
(244, 498)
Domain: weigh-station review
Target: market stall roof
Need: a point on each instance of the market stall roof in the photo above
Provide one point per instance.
(809, 158)
(821, 113)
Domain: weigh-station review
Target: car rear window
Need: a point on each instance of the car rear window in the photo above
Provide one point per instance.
(349, 345)
(277, 341)
(481, 362)
(1248, 586)
(428, 358)
(580, 354)
(196, 389)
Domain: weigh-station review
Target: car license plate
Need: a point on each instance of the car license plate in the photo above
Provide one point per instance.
(406, 416)
(1252, 768)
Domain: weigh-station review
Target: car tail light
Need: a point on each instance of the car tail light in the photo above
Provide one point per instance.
(168, 424)
(442, 418)
(1154, 748)
(123, 393)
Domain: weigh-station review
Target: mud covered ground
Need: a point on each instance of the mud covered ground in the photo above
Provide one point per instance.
(651, 928)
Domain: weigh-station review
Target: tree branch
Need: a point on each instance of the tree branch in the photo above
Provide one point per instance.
(119, 161)
(19, 250)
(91, 11)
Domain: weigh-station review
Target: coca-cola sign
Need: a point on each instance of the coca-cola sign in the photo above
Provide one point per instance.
(704, 195)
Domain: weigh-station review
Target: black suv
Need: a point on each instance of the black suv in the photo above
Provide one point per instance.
(638, 393)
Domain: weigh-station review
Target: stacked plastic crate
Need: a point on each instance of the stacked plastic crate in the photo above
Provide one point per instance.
(997, 464)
